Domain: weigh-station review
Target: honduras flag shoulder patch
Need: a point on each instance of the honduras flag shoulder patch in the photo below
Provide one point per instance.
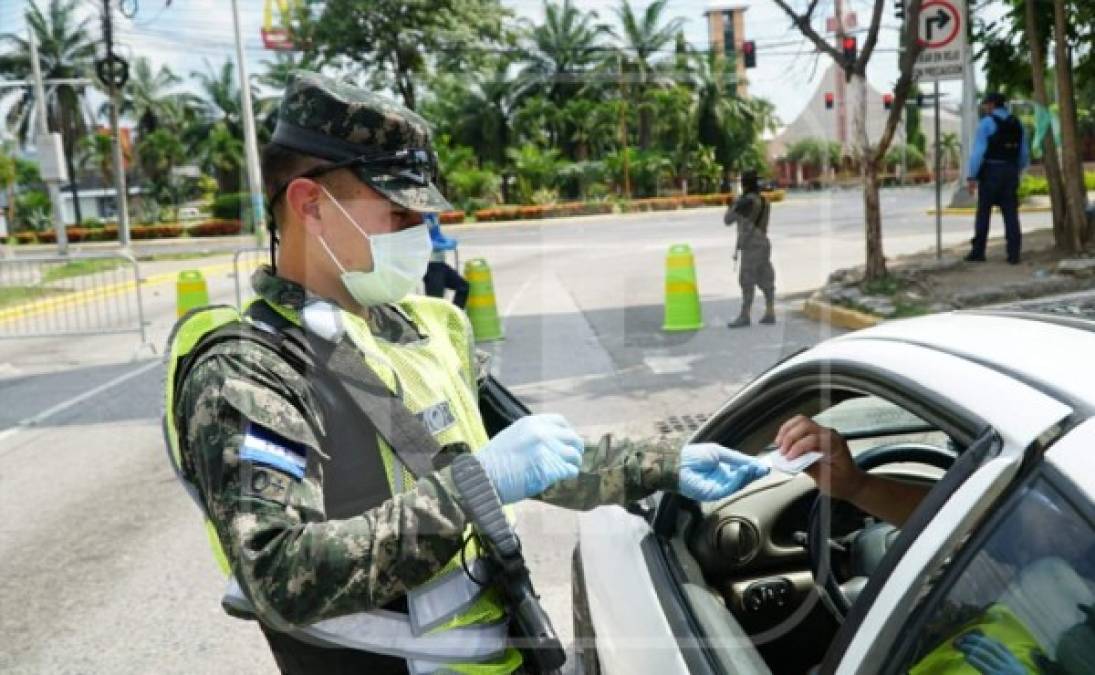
(262, 446)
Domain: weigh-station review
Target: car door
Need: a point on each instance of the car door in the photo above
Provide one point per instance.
(1020, 594)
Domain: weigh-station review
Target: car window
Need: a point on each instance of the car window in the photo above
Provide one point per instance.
(1024, 602)
(870, 416)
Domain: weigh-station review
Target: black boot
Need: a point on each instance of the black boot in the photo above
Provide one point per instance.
(746, 305)
(769, 308)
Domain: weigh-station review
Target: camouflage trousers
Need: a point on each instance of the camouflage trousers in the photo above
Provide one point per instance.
(756, 269)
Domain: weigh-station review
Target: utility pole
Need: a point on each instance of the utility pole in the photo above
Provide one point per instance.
(251, 146)
(114, 72)
(938, 182)
(48, 145)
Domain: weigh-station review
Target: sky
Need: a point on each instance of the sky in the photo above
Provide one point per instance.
(189, 33)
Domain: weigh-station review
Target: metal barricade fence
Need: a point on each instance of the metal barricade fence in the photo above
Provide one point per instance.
(244, 263)
(49, 296)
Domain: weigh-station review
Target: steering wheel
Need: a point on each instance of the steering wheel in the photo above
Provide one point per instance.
(867, 546)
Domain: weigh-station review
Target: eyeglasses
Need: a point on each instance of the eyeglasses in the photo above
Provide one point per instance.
(418, 165)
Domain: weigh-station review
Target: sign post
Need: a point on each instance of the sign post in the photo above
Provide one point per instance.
(941, 31)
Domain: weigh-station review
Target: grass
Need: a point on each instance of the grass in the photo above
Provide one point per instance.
(17, 295)
(79, 268)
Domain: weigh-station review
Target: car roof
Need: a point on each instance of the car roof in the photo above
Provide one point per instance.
(1055, 354)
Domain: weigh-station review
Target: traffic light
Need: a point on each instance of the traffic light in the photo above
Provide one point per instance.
(828, 100)
(887, 101)
(749, 51)
(849, 45)
(899, 9)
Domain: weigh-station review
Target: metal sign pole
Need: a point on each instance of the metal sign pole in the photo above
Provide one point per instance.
(254, 172)
(938, 182)
(53, 185)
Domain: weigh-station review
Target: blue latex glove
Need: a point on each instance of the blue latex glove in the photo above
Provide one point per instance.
(989, 656)
(710, 471)
(531, 455)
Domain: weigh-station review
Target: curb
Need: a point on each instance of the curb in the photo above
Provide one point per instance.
(838, 316)
(972, 211)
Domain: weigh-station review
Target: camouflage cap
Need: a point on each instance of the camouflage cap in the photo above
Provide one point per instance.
(337, 121)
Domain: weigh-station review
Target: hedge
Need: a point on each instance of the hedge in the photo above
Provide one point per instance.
(594, 208)
(450, 217)
(76, 235)
(216, 228)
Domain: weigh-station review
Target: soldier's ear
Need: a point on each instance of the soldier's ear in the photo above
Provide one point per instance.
(302, 198)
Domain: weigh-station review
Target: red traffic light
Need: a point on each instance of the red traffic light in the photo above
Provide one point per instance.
(887, 101)
(749, 51)
(829, 100)
(849, 45)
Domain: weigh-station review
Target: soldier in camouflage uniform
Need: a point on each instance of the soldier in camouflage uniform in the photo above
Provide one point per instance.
(750, 212)
(254, 433)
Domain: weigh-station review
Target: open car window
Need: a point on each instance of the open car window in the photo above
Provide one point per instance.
(870, 416)
(1023, 600)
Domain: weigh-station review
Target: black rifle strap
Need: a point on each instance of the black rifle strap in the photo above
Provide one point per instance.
(341, 362)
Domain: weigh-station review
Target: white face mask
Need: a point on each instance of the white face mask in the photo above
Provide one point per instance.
(399, 262)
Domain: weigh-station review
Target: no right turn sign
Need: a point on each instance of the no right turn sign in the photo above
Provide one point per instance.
(942, 32)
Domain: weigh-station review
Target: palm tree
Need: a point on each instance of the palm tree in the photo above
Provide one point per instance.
(723, 120)
(561, 50)
(97, 151)
(950, 148)
(219, 125)
(220, 100)
(65, 51)
(147, 95)
(477, 110)
(643, 37)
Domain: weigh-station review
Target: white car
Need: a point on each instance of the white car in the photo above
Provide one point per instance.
(993, 407)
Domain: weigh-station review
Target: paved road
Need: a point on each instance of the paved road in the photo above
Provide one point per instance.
(104, 567)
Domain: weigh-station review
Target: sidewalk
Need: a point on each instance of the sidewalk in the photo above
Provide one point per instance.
(922, 284)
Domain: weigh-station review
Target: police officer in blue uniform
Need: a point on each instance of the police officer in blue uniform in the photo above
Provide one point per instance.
(1000, 153)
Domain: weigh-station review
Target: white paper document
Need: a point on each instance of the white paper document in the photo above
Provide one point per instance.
(776, 461)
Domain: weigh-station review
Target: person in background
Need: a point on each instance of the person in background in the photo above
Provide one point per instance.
(750, 212)
(1000, 153)
(440, 275)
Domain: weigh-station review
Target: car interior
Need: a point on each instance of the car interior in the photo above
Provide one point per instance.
(762, 549)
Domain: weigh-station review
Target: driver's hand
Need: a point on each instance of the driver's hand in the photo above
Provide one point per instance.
(836, 474)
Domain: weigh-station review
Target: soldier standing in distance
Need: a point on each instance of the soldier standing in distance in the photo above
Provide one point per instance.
(314, 511)
(750, 213)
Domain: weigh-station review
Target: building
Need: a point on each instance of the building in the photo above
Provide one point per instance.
(726, 33)
(817, 121)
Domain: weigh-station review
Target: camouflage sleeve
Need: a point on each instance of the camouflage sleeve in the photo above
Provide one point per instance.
(298, 566)
(618, 472)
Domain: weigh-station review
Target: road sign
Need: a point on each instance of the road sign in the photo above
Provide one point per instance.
(942, 33)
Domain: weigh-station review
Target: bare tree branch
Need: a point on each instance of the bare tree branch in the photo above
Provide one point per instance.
(872, 39)
(911, 51)
(802, 22)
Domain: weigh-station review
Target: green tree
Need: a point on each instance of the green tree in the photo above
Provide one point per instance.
(536, 169)
(396, 41)
(478, 109)
(160, 152)
(7, 182)
(560, 52)
(642, 37)
(218, 128)
(729, 124)
(65, 51)
(147, 95)
(97, 151)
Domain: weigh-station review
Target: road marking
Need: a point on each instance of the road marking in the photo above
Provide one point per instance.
(29, 422)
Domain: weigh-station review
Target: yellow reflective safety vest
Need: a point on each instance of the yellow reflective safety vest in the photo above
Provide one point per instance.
(997, 622)
(453, 624)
